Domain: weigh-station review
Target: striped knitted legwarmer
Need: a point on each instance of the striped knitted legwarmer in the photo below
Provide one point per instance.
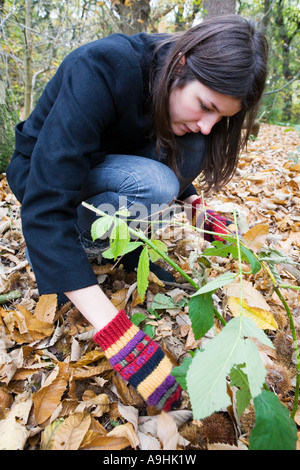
(140, 361)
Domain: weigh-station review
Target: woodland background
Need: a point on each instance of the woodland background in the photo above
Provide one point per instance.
(37, 34)
(57, 390)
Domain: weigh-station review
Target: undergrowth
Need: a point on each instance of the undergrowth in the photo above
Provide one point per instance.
(231, 360)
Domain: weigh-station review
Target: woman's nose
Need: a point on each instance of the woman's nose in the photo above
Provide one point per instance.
(205, 124)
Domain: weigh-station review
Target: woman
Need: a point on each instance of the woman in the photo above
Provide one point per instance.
(132, 119)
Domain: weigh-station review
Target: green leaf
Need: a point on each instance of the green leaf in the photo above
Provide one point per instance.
(149, 330)
(138, 318)
(219, 281)
(124, 212)
(274, 429)
(143, 273)
(130, 247)
(201, 313)
(272, 256)
(243, 395)
(101, 226)
(154, 313)
(163, 301)
(180, 372)
(154, 256)
(221, 249)
(249, 256)
(119, 238)
(206, 377)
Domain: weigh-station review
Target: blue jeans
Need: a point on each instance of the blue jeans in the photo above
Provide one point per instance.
(141, 183)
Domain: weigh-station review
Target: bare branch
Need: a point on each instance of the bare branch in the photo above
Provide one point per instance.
(284, 86)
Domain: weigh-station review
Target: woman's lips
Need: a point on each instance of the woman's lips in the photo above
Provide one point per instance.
(186, 128)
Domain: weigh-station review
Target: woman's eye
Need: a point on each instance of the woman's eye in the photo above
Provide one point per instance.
(205, 108)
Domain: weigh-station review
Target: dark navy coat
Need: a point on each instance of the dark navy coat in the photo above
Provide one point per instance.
(96, 103)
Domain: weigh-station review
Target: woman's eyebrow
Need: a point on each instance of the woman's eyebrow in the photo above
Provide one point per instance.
(214, 106)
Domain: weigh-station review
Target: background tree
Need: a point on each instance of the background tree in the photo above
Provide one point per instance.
(218, 7)
(37, 34)
(280, 21)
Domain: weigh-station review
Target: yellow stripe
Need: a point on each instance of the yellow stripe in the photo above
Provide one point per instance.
(121, 342)
(155, 379)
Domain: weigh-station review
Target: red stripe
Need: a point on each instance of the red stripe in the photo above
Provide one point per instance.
(140, 360)
(173, 400)
(113, 330)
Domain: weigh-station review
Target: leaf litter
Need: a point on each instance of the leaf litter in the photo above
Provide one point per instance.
(57, 389)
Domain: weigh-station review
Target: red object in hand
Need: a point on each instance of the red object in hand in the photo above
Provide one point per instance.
(211, 221)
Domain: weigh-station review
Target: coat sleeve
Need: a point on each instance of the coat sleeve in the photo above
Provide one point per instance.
(83, 107)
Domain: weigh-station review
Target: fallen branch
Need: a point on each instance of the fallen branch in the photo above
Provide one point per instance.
(10, 296)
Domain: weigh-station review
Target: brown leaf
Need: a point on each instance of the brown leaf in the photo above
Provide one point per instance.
(262, 318)
(48, 397)
(66, 434)
(106, 443)
(119, 298)
(125, 431)
(96, 404)
(84, 372)
(46, 308)
(167, 431)
(6, 398)
(13, 431)
(127, 394)
(256, 236)
(253, 297)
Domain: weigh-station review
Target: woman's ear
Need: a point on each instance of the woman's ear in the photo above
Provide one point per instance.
(182, 60)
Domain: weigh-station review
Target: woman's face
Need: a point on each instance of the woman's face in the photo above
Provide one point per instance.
(197, 108)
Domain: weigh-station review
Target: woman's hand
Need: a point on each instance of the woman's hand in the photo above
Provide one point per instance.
(211, 221)
(93, 305)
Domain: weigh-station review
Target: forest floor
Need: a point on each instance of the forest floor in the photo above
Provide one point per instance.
(58, 391)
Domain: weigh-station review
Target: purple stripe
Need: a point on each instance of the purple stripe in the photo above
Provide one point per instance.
(156, 396)
(127, 349)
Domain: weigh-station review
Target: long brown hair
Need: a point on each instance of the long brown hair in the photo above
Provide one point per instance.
(228, 55)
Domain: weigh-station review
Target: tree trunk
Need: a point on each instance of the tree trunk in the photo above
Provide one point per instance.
(1, 7)
(218, 7)
(285, 41)
(28, 58)
(134, 15)
(266, 18)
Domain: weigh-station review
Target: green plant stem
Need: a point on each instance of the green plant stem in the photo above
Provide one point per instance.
(239, 257)
(144, 239)
(220, 318)
(288, 286)
(294, 335)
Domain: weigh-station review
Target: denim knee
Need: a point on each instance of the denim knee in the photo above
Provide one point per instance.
(142, 185)
(160, 184)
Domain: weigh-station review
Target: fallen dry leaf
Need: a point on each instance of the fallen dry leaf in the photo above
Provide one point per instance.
(66, 434)
(248, 292)
(125, 431)
(49, 395)
(47, 353)
(167, 431)
(13, 430)
(262, 318)
(46, 308)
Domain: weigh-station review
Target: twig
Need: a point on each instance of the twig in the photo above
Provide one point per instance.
(13, 295)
